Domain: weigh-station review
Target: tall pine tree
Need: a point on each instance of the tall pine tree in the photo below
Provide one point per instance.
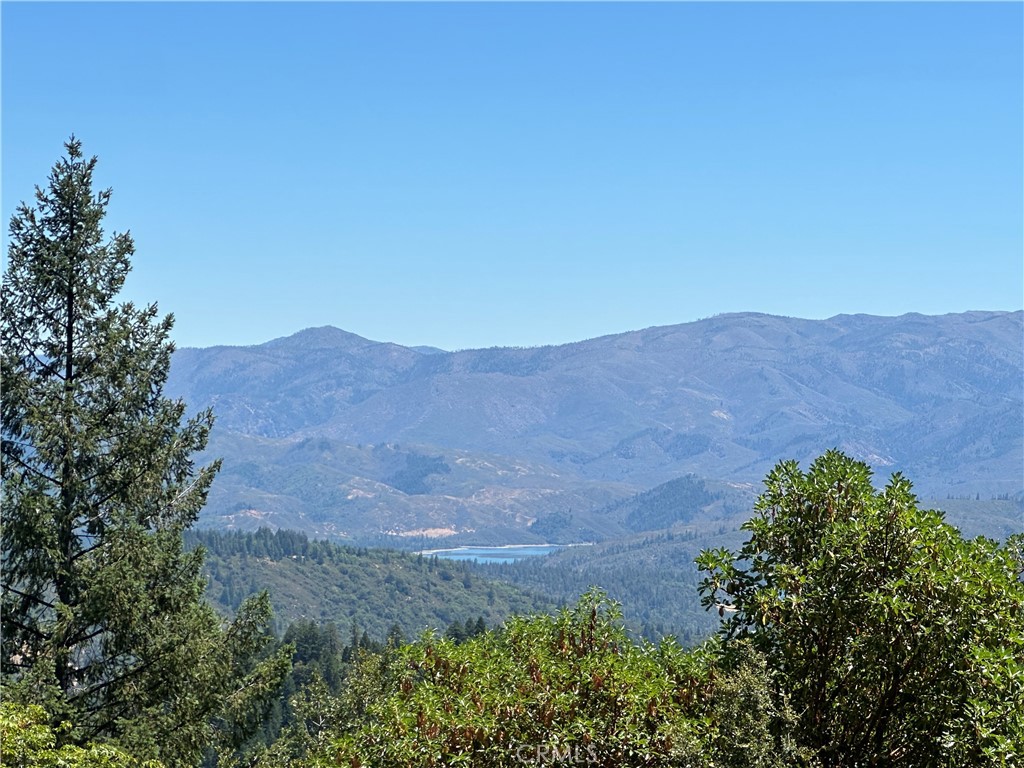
(104, 617)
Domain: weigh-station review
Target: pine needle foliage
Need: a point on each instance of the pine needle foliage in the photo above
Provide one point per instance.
(104, 617)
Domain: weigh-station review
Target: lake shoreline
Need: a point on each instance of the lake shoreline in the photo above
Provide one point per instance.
(497, 554)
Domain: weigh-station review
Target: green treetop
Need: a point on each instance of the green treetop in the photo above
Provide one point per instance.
(104, 617)
(898, 642)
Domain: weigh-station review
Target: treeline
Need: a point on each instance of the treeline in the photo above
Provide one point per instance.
(373, 590)
(856, 629)
(676, 501)
(652, 576)
(263, 542)
(323, 658)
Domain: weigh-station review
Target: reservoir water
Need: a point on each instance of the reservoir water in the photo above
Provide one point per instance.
(507, 554)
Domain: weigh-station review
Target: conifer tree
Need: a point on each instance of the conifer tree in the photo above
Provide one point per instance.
(104, 618)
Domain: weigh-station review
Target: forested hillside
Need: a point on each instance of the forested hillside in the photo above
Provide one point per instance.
(337, 435)
(651, 573)
(852, 624)
(357, 589)
(838, 587)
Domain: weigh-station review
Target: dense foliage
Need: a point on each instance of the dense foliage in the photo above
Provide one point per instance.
(897, 641)
(27, 740)
(566, 689)
(652, 575)
(105, 623)
(857, 630)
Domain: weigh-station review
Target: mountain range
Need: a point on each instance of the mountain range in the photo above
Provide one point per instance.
(336, 435)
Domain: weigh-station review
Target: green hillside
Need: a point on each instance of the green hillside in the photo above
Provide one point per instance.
(372, 588)
(652, 573)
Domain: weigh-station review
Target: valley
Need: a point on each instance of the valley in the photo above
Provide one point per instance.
(646, 447)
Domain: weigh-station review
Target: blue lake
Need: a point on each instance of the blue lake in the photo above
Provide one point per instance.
(506, 554)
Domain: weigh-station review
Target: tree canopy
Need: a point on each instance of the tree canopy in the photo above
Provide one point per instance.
(898, 642)
(105, 621)
(568, 689)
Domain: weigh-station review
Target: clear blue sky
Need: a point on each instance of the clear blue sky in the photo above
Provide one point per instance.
(467, 175)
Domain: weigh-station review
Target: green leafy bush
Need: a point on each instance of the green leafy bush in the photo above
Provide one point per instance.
(28, 741)
(568, 689)
(571, 686)
(897, 641)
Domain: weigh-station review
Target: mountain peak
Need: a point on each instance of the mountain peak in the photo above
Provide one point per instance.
(322, 337)
(496, 439)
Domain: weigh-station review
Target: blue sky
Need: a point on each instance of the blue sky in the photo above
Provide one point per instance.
(467, 175)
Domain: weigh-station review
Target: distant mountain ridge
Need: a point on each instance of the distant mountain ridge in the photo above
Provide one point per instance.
(528, 432)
